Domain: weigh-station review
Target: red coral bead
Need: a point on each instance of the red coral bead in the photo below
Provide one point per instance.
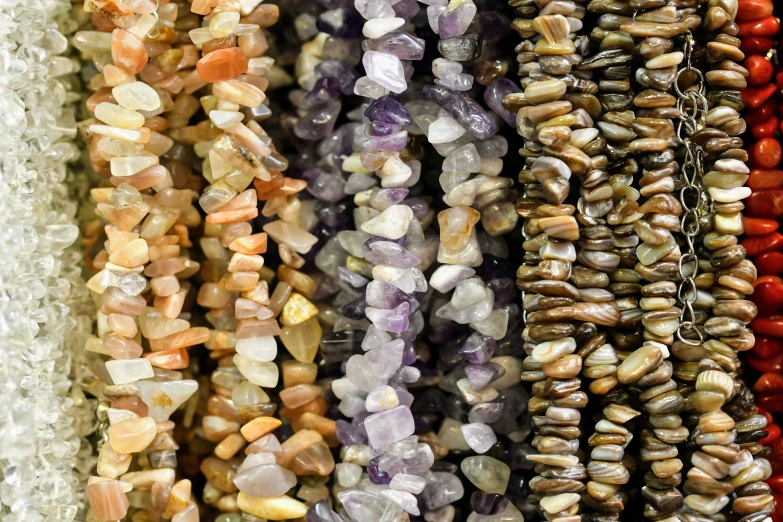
(761, 114)
(758, 227)
(760, 70)
(767, 347)
(773, 327)
(772, 402)
(761, 244)
(768, 297)
(776, 483)
(755, 96)
(765, 204)
(774, 434)
(767, 279)
(767, 26)
(762, 179)
(766, 129)
(753, 10)
(756, 45)
(769, 382)
(766, 153)
(770, 263)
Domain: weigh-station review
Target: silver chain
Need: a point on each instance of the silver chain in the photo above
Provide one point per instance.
(692, 105)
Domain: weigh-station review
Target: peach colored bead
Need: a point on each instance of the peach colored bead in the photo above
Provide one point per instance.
(132, 435)
(183, 339)
(178, 499)
(142, 180)
(223, 64)
(264, 15)
(217, 428)
(317, 406)
(231, 231)
(250, 245)
(189, 514)
(253, 44)
(120, 347)
(108, 500)
(127, 51)
(122, 325)
(258, 427)
(116, 301)
(249, 328)
(115, 76)
(164, 285)
(171, 305)
(299, 395)
(326, 427)
(164, 266)
(175, 359)
(239, 281)
(232, 216)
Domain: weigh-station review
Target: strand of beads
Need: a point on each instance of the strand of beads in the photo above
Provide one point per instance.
(546, 119)
(465, 134)
(241, 155)
(727, 273)
(42, 312)
(762, 239)
(125, 144)
(603, 252)
(658, 254)
(734, 274)
(374, 393)
(610, 466)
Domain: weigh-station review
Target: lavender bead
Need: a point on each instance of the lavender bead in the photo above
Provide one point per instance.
(348, 435)
(394, 320)
(482, 375)
(479, 437)
(407, 9)
(478, 349)
(455, 21)
(390, 143)
(389, 253)
(339, 70)
(376, 474)
(383, 295)
(400, 44)
(464, 109)
(498, 89)
(389, 109)
(319, 122)
(443, 489)
(386, 427)
(325, 90)
(325, 185)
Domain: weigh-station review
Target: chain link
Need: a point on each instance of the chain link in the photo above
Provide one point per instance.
(692, 105)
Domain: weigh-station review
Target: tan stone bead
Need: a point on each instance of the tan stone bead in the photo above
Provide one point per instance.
(297, 443)
(230, 446)
(302, 340)
(239, 281)
(296, 372)
(127, 51)
(179, 496)
(301, 282)
(259, 427)
(272, 508)
(326, 427)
